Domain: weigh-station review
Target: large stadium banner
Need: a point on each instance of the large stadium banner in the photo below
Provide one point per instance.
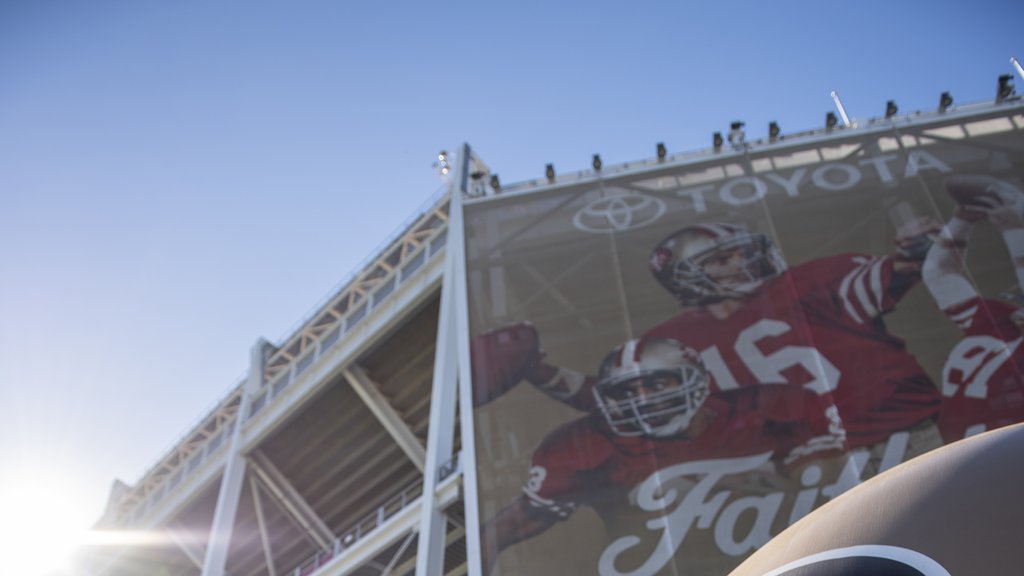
(670, 366)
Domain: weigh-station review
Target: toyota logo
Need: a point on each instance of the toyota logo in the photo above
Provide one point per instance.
(618, 213)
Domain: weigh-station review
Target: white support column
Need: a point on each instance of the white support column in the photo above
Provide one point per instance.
(268, 553)
(391, 420)
(234, 474)
(468, 427)
(441, 435)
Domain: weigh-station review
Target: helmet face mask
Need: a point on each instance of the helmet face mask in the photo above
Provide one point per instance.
(651, 388)
(708, 263)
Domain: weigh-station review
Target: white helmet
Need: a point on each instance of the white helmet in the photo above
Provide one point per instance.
(706, 263)
(651, 387)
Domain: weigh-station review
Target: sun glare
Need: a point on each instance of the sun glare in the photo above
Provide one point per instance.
(44, 523)
(41, 527)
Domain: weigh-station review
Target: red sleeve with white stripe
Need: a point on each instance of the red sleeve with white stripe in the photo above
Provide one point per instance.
(984, 317)
(859, 288)
(865, 290)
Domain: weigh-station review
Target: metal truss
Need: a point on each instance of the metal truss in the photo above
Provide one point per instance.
(356, 293)
(290, 501)
(398, 261)
(390, 419)
(211, 434)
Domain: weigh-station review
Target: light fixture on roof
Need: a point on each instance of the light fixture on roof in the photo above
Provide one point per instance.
(773, 131)
(945, 101)
(891, 109)
(830, 121)
(442, 165)
(662, 152)
(1005, 90)
(737, 137)
(495, 183)
(596, 163)
(716, 140)
(549, 171)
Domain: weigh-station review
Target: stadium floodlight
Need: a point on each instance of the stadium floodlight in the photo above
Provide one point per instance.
(737, 137)
(945, 101)
(596, 163)
(495, 183)
(716, 140)
(891, 109)
(662, 152)
(549, 171)
(830, 121)
(442, 165)
(1005, 89)
(773, 131)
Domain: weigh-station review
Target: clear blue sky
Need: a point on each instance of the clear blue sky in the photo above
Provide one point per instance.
(179, 178)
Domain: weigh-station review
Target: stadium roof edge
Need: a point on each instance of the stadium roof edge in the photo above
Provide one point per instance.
(797, 139)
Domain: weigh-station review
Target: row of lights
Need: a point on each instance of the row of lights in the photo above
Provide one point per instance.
(1005, 91)
(945, 101)
(596, 163)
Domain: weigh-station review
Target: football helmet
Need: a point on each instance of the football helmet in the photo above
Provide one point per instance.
(651, 387)
(706, 263)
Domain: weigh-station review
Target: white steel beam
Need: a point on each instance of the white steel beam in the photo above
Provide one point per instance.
(441, 434)
(291, 501)
(398, 554)
(467, 459)
(261, 524)
(188, 546)
(234, 473)
(392, 421)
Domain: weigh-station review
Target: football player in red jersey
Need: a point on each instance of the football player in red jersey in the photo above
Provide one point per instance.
(818, 325)
(658, 421)
(983, 378)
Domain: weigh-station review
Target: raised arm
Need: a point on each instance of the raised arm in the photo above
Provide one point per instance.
(1001, 203)
(943, 267)
(505, 356)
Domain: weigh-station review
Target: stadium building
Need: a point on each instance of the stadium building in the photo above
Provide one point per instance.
(346, 451)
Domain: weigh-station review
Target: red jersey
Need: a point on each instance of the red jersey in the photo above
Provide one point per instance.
(583, 461)
(983, 378)
(819, 325)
